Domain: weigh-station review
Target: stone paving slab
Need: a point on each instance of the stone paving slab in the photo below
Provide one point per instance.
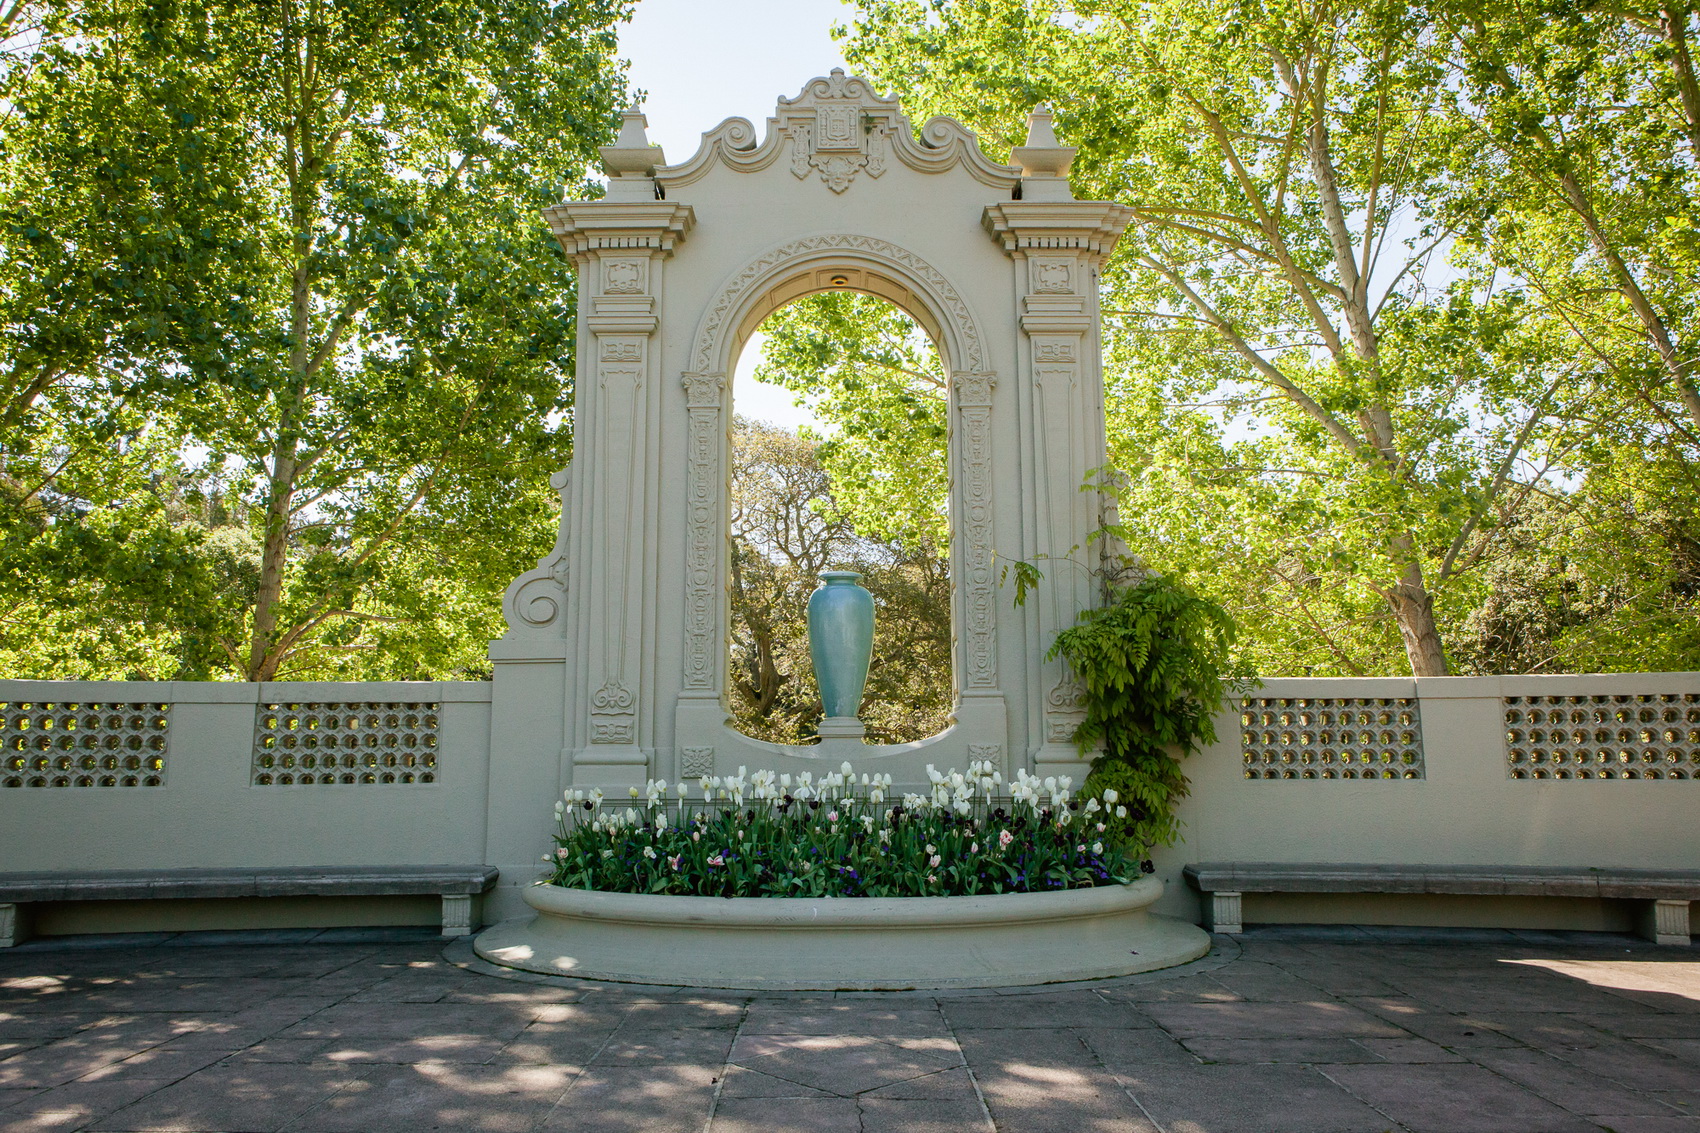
(1282, 1030)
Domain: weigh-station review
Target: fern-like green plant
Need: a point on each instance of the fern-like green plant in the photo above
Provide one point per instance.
(1151, 661)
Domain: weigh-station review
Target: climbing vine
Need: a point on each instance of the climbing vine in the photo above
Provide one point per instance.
(1152, 661)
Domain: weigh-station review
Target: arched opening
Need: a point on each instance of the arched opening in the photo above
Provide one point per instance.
(839, 461)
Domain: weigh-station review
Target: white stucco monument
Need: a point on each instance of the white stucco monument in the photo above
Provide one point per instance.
(614, 662)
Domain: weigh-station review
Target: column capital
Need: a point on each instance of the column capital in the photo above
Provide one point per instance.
(1062, 227)
(589, 228)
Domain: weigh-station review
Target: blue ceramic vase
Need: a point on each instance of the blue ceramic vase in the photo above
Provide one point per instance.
(841, 641)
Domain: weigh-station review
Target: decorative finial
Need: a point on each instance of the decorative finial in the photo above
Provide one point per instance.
(1044, 161)
(631, 154)
(631, 161)
(1040, 133)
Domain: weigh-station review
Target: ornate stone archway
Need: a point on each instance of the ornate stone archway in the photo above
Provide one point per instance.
(615, 647)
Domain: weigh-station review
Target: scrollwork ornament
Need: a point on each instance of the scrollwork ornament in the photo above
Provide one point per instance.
(613, 696)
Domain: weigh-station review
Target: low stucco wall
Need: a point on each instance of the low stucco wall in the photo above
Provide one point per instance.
(210, 811)
(1467, 809)
(491, 805)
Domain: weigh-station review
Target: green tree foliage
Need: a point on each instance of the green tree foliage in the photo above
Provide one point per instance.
(305, 235)
(786, 529)
(1339, 385)
(871, 375)
(1589, 116)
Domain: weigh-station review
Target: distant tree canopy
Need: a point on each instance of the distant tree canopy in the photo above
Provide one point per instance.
(787, 527)
(280, 326)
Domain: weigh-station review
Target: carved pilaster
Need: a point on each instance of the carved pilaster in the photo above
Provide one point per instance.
(1057, 246)
(973, 405)
(704, 487)
(619, 246)
(618, 546)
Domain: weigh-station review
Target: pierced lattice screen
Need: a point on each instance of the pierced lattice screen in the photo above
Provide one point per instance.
(314, 744)
(83, 745)
(1332, 738)
(1644, 736)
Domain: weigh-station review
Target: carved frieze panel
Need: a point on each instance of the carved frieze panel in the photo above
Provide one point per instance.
(610, 349)
(611, 731)
(1052, 277)
(625, 275)
(1065, 708)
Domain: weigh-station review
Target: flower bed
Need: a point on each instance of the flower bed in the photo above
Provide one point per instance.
(771, 882)
(769, 835)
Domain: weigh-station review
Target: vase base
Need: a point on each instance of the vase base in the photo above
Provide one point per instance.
(841, 728)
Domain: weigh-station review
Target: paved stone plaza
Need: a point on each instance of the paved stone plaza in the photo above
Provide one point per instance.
(1300, 1030)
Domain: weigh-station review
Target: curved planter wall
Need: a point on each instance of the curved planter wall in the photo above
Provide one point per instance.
(858, 943)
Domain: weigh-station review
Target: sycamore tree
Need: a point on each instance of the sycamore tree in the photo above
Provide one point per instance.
(1590, 119)
(1285, 275)
(318, 248)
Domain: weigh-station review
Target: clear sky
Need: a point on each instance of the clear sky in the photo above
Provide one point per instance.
(700, 62)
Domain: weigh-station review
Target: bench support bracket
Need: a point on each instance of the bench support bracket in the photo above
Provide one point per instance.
(1224, 912)
(457, 914)
(1666, 922)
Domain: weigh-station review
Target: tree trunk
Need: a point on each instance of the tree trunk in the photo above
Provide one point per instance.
(263, 660)
(1413, 608)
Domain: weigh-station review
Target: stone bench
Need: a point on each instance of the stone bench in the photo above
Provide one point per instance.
(1664, 920)
(456, 885)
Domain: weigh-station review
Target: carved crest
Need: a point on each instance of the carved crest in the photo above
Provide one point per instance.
(835, 131)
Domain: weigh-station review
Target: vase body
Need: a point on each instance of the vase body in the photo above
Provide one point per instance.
(841, 641)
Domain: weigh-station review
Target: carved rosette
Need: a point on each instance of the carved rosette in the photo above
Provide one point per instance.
(704, 484)
(973, 398)
(696, 762)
